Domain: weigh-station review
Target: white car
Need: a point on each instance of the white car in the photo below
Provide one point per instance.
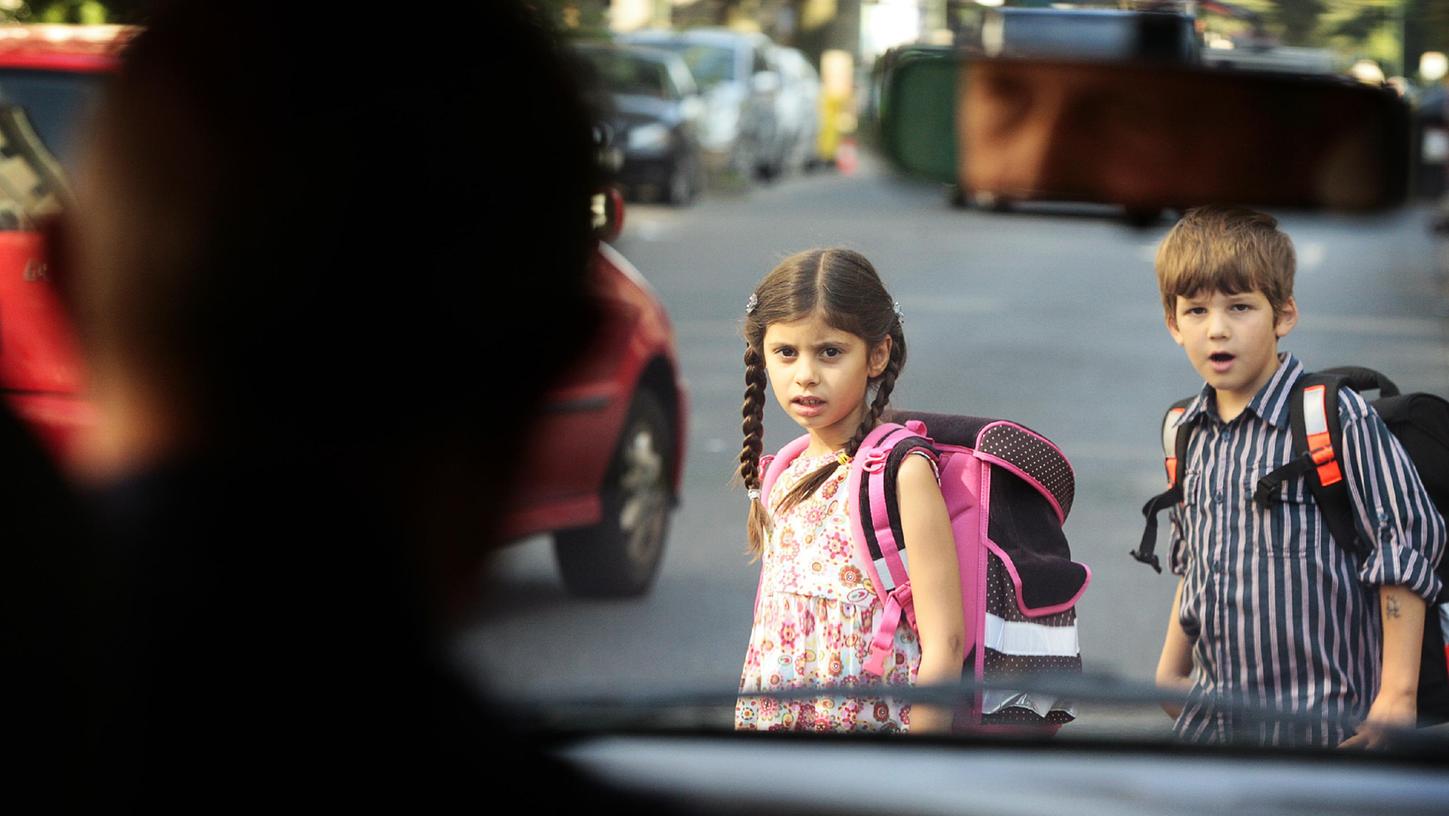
(797, 109)
(740, 131)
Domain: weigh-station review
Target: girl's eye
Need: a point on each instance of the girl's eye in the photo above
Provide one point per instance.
(830, 352)
(786, 353)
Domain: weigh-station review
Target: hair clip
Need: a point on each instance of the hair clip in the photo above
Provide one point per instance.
(752, 303)
(753, 494)
(896, 307)
(842, 457)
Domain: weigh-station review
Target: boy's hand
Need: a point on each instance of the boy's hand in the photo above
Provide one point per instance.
(1397, 704)
(1394, 710)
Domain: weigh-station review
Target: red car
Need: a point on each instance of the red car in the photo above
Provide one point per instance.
(605, 463)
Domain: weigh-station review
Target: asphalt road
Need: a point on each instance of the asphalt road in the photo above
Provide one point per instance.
(1050, 319)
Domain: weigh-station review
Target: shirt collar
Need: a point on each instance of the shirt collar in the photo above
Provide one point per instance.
(1270, 403)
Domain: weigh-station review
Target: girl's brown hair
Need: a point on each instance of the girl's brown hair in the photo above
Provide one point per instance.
(843, 288)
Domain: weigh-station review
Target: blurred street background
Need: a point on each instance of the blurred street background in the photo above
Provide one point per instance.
(1052, 319)
(1046, 315)
(740, 131)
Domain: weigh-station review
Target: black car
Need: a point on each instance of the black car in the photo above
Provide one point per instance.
(651, 107)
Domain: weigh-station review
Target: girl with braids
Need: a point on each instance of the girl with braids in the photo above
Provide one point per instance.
(826, 336)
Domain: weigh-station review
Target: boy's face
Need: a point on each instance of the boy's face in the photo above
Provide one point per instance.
(1232, 341)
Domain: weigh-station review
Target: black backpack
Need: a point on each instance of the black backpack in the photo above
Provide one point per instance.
(1421, 424)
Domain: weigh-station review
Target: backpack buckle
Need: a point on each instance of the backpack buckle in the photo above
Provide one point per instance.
(875, 461)
(1326, 461)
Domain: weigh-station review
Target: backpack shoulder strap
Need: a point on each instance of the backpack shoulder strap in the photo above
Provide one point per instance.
(1174, 441)
(1317, 447)
(874, 514)
(1174, 458)
(876, 527)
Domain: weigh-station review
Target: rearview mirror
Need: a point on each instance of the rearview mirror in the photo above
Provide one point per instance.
(1152, 136)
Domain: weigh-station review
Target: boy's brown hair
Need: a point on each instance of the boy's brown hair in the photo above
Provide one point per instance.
(1225, 249)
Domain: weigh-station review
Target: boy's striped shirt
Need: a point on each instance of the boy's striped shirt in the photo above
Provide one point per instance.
(1281, 616)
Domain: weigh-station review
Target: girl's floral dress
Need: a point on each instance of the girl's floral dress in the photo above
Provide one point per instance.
(814, 622)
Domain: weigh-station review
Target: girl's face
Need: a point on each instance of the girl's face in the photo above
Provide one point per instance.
(819, 375)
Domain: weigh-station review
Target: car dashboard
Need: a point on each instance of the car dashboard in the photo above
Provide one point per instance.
(769, 773)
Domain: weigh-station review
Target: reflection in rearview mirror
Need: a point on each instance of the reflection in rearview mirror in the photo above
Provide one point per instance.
(1145, 136)
(1156, 136)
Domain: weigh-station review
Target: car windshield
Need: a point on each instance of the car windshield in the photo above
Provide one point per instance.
(1043, 312)
(710, 64)
(625, 73)
(628, 594)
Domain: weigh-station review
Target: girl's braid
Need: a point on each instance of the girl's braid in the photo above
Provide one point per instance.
(883, 388)
(753, 426)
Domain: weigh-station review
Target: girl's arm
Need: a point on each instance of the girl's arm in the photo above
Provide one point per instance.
(1174, 667)
(935, 586)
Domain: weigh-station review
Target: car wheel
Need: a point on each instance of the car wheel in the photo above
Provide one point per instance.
(619, 556)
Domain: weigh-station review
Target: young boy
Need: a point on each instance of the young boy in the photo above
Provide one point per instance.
(1271, 613)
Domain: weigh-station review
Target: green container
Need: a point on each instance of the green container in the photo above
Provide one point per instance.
(918, 111)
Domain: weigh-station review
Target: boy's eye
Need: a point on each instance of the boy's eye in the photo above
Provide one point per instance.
(830, 352)
(1194, 310)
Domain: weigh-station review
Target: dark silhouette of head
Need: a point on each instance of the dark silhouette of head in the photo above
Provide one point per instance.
(322, 267)
(354, 245)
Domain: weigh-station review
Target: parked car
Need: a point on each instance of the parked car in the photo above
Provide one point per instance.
(653, 109)
(49, 79)
(797, 109)
(608, 453)
(740, 83)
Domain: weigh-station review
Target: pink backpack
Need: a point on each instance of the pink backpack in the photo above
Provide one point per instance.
(1008, 490)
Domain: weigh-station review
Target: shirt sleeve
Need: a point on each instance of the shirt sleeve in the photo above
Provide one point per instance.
(1392, 510)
